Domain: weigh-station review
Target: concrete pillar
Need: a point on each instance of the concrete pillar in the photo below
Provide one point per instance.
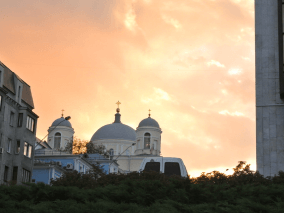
(269, 105)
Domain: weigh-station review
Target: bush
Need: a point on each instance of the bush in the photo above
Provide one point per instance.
(243, 191)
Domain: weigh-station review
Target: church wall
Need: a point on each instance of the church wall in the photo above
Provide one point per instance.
(269, 106)
(154, 141)
(66, 135)
(118, 146)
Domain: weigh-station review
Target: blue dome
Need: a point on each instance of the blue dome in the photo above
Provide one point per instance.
(149, 122)
(62, 122)
(115, 131)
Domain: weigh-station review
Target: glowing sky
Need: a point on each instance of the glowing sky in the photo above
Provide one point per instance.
(190, 61)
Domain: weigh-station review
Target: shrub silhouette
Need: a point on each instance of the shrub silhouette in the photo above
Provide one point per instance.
(243, 191)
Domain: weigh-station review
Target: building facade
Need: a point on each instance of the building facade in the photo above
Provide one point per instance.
(17, 128)
(128, 146)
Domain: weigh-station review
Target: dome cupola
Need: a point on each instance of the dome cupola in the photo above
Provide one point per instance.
(61, 122)
(116, 130)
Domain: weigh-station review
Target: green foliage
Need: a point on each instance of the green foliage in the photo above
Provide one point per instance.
(243, 191)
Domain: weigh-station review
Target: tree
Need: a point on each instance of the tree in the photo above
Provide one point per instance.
(80, 180)
(78, 146)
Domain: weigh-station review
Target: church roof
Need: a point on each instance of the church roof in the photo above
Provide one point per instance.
(61, 122)
(116, 130)
(149, 122)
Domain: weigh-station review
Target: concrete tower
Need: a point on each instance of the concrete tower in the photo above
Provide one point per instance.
(269, 87)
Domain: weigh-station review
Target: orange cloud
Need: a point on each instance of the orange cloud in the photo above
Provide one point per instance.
(84, 56)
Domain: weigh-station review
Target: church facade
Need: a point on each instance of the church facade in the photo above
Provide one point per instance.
(128, 146)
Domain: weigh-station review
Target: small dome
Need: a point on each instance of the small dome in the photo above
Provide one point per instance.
(115, 131)
(149, 122)
(61, 122)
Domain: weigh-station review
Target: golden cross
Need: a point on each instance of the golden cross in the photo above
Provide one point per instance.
(62, 112)
(149, 112)
(118, 104)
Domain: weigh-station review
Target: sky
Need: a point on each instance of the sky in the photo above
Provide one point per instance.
(190, 61)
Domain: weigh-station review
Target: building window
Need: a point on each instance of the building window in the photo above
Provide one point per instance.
(57, 140)
(6, 171)
(30, 123)
(15, 173)
(18, 147)
(28, 150)
(12, 118)
(111, 152)
(147, 137)
(9, 143)
(20, 120)
(26, 175)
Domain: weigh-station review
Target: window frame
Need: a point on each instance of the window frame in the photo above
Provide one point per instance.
(12, 118)
(26, 148)
(9, 144)
(30, 123)
(20, 119)
(15, 173)
(147, 144)
(18, 147)
(55, 141)
(6, 173)
(26, 176)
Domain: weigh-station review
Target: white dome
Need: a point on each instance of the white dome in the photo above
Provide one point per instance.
(61, 122)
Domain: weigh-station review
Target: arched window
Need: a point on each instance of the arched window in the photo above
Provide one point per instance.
(147, 137)
(111, 152)
(57, 140)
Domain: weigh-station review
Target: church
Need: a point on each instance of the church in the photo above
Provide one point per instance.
(130, 146)
(127, 146)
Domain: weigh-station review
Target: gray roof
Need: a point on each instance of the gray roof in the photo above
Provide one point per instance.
(61, 122)
(9, 84)
(149, 122)
(115, 131)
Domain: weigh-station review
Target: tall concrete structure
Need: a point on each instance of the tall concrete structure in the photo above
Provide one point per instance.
(269, 87)
(17, 128)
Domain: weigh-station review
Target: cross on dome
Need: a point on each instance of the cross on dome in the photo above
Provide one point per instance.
(149, 113)
(118, 104)
(62, 112)
(118, 110)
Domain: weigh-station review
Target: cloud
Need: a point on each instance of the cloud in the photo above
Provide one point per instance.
(147, 55)
(175, 23)
(235, 71)
(216, 63)
(226, 112)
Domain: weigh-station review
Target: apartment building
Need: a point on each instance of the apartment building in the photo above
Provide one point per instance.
(17, 128)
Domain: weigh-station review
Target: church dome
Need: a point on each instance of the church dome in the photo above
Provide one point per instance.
(61, 122)
(115, 131)
(149, 122)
